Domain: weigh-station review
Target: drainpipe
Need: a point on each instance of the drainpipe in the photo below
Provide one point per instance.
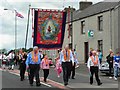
(111, 28)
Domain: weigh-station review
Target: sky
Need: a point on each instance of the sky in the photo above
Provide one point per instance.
(7, 19)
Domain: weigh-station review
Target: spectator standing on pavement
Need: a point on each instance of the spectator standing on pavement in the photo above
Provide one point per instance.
(110, 62)
(93, 66)
(45, 65)
(33, 63)
(109, 54)
(100, 55)
(116, 65)
(22, 59)
(66, 57)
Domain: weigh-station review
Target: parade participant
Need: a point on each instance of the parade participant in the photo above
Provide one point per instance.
(58, 67)
(75, 63)
(45, 66)
(33, 63)
(11, 57)
(116, 65)
(110, 62)
(65, 59)
(22, 59)
(93, 66)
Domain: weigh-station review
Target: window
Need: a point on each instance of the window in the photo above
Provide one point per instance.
(100, 23)
(82, 27)
(100, 45)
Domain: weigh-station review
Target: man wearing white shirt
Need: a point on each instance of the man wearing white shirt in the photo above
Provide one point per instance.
(93, 66)
(66, 57)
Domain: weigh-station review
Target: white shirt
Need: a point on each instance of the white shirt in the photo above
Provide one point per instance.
(62, 57)
(90, 63)
(11, 56)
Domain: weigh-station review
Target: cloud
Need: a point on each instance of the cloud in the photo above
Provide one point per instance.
(7, 41)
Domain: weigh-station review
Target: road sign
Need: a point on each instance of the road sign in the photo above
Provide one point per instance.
(90, 33)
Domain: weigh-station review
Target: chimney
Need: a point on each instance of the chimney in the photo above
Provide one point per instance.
(84, 4)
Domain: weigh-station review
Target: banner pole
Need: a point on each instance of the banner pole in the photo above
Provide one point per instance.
(27, 26)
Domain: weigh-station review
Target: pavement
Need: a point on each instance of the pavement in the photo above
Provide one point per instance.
(11, 79)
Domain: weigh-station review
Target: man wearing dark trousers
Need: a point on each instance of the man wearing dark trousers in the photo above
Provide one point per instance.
(65, 59)
(22, 60)
(33, 63)
(75, 62)
(93, 66)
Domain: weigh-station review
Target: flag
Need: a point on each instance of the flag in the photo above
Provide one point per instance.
(19, 15)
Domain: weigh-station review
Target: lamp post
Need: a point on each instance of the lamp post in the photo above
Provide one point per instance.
(15, 28)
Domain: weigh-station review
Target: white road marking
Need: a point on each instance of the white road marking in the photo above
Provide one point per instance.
(34, 79)
(44, 83)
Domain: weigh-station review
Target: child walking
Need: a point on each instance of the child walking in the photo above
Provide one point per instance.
(58, 67)
(45, 66)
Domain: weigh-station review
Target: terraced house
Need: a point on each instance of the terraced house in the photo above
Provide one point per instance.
(94, 26)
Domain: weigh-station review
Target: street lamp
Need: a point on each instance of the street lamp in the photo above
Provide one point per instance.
(15, 27)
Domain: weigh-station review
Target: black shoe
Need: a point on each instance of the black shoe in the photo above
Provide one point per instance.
(99, 84)
(91, 83)
(38, 84)
(66, 84)
(45, 80)
(21, 79)
(73, 78)
(31, 84)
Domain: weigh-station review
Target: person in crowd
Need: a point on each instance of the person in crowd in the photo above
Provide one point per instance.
(91, 49)
(75, 63)
(51, 63)
(22, 59)
(116, 65)
(66, 57)
(110, 51)
(16, 58)
(110, 62)
(93, 66)
(33, 63)
(45, 65)
(41, 54)
(100, 55)
(58, 67)
(11, 58)
(4, 61)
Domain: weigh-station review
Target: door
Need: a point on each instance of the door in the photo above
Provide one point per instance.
(86, 51)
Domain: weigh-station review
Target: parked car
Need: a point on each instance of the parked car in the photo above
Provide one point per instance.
(105, 69)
